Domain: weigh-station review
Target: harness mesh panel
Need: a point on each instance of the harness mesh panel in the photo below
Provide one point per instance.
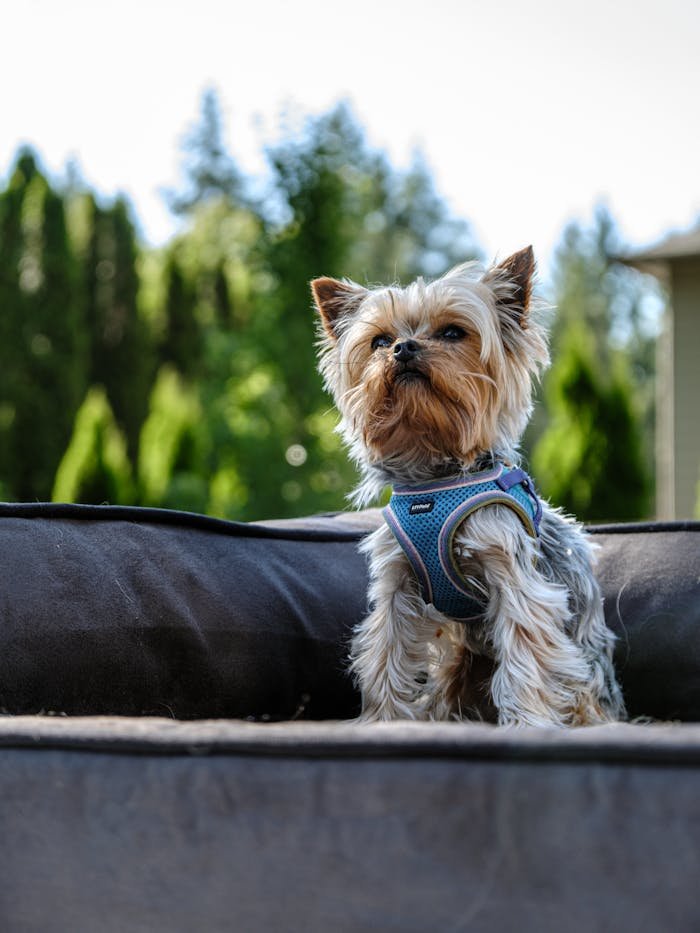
(425, 518)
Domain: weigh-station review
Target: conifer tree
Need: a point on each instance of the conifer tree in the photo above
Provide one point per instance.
(591, 458)
(42, 348)
(181, 342)
(236, 294)
(11, 319)
(95, 468)
(121, 356)
(221, 298)
(210, 172)
(413, 232)
(342, 211)
(172, 453)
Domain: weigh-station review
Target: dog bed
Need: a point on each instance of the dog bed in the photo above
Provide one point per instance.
(175, 756)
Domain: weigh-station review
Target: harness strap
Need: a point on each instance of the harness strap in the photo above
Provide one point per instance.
(425, 519)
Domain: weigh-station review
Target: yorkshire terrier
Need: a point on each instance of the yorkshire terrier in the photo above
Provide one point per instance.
(483, 603)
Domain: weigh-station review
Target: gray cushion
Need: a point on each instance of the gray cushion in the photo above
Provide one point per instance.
(108, 610)
(150, 825)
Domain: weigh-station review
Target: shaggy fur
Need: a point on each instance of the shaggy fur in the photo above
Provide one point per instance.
(434, 381)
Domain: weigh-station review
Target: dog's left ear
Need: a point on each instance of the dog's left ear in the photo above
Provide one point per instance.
(334, 300)
(511, 281)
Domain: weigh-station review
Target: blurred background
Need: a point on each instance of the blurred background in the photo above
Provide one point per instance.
(172, 175)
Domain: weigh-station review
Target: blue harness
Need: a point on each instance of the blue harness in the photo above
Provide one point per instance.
(424, 520)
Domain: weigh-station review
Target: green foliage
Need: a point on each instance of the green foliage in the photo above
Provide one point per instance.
(121, 355)
(615, 301)
(590, 459)
(95, 467)
(209, 170)
(172, 461)
(196, 364)
(413, 232)
(181, 341)
(235, 317)
(337, 208)
(42, 344)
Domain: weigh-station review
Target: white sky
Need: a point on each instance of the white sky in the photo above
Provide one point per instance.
(528, 113)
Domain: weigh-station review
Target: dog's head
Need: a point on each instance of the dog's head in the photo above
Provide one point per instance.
(435, 373)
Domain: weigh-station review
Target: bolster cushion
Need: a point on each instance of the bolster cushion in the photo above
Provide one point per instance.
(126, 611)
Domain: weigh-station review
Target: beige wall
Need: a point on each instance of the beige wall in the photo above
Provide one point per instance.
(665, 440)
(685, 380)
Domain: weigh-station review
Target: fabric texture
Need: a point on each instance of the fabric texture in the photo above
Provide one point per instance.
(135, 613)
(163, 827)
(152, 823)
(107, 610)
(425, 518)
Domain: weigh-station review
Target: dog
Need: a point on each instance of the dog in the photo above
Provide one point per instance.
(483, 603)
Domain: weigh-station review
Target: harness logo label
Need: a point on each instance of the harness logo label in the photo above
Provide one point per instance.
(422, 507)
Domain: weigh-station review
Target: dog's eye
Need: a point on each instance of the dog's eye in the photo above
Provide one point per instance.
(382, 340)
(452, 332)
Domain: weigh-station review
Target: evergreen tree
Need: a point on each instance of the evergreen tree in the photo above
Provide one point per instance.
(42, 347)
(235, 312)
(12, 319)
(172, 453)
(181, 343)
(220, 298)
(412, 232)
(121, 357)
(95, 467)
(210, 172)
(615, 302)
(341, 210)
(592, 458)
(237, 289)
(199, 297)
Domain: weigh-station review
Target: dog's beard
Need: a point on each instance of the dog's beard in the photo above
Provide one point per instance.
(418, 415)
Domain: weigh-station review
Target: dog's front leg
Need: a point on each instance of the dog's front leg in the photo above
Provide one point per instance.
(541, 673)
(389, 653)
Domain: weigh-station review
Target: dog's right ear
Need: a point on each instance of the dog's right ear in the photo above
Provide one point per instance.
(334, 300)
(512, 283)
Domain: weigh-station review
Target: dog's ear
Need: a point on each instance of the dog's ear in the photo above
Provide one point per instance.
(334, 300)
(511, 281)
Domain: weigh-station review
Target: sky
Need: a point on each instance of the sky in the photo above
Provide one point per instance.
(527, 114)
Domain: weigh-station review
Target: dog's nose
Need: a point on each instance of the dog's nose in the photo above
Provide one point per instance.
(405, 350)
